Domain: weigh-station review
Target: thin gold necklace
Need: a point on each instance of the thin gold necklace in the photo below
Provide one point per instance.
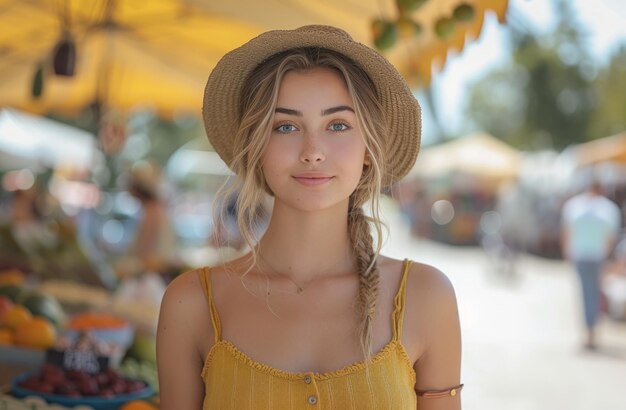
(299, 288)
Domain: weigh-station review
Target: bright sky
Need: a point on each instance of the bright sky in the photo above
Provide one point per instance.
(604, 20)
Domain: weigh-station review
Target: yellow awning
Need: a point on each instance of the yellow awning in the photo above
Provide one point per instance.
(158, 53)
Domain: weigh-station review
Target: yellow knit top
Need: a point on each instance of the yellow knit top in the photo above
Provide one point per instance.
(235, 381)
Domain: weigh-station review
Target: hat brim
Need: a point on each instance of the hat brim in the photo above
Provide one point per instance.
(225, 83)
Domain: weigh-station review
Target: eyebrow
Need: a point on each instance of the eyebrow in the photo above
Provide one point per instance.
(325, 112)
(333, 110)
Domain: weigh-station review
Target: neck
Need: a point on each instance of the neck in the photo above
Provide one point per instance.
(308, 245)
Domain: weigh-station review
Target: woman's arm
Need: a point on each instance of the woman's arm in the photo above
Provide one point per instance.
(179, 359)
(438, 369)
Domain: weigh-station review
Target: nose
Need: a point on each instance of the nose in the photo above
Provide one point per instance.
(312, 151)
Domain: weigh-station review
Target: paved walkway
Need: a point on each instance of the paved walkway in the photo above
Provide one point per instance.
(521, 338)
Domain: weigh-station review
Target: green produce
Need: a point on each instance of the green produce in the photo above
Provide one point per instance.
(143, 348)
(11, 291)
(141, 370)
(40, 304)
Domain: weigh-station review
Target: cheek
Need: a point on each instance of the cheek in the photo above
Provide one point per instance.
(271, 163)
(353, 157)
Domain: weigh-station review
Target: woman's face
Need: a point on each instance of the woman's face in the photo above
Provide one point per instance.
(315, 153)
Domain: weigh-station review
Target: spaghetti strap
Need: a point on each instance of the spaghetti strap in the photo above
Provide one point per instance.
(205, 279)
(398, 311)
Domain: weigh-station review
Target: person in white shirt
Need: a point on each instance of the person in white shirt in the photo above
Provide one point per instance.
(591, 224)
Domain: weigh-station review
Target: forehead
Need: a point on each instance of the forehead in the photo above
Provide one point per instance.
(312, 85)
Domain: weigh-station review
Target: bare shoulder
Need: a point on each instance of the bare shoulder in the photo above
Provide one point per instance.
(429, 284)
(424, 282)
(180, 351)
(431, 311)
(185, 291)
(184, 305)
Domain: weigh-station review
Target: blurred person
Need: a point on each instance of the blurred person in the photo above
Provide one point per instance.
(28, 224)
(313, 315)
(154, 246)
(590, 225)
(614, 282)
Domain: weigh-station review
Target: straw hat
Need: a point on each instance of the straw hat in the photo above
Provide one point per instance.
(401, 109)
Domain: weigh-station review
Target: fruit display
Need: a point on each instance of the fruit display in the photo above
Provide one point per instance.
(52, 379)
(107, 390)
(111, 333)
(36, 333)
(28, 318)
(42, 324)
(81, 374)
(95, 320)
(19, 327)
(143, 370)
(41, 304)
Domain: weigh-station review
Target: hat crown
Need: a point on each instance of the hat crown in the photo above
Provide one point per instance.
(321, 28)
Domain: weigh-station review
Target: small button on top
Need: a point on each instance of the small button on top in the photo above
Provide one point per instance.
(312, 400)
(307, 379)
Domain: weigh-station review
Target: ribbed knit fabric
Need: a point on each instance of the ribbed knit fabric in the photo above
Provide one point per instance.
(235, 381)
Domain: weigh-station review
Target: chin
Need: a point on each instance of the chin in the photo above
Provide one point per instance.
(315, 204)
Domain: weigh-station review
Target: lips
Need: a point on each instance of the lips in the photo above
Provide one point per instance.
(312, 179)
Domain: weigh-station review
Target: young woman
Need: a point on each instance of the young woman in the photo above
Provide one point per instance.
(312, 316)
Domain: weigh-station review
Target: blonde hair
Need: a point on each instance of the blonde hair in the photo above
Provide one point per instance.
(256, 111)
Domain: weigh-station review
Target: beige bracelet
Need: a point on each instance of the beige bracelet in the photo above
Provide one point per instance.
(433, 394)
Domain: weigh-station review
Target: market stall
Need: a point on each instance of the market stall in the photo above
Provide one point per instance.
(453, 184)
(70, 344)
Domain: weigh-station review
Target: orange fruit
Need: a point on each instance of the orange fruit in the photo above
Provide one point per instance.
(6, 337)
(12, 276)
(36, 333)
(15, 316)
(137, 405)
(5, 305)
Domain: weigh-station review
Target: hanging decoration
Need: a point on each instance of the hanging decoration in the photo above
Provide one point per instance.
(385, 34)
(407, 6)
(407, 27)
(444, 27)
(464, 13)
(37, 89)
(64, 55)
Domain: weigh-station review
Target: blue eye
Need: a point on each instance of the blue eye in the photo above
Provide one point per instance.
(338, 126)
(285, 128)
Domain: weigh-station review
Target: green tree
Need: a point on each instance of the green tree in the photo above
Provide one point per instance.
(609, 115)
(545, 97)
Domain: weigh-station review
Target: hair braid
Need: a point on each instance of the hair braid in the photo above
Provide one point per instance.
(369, 276)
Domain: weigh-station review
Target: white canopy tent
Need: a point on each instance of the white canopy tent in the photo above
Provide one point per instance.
(480, 155)
(31, 141)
